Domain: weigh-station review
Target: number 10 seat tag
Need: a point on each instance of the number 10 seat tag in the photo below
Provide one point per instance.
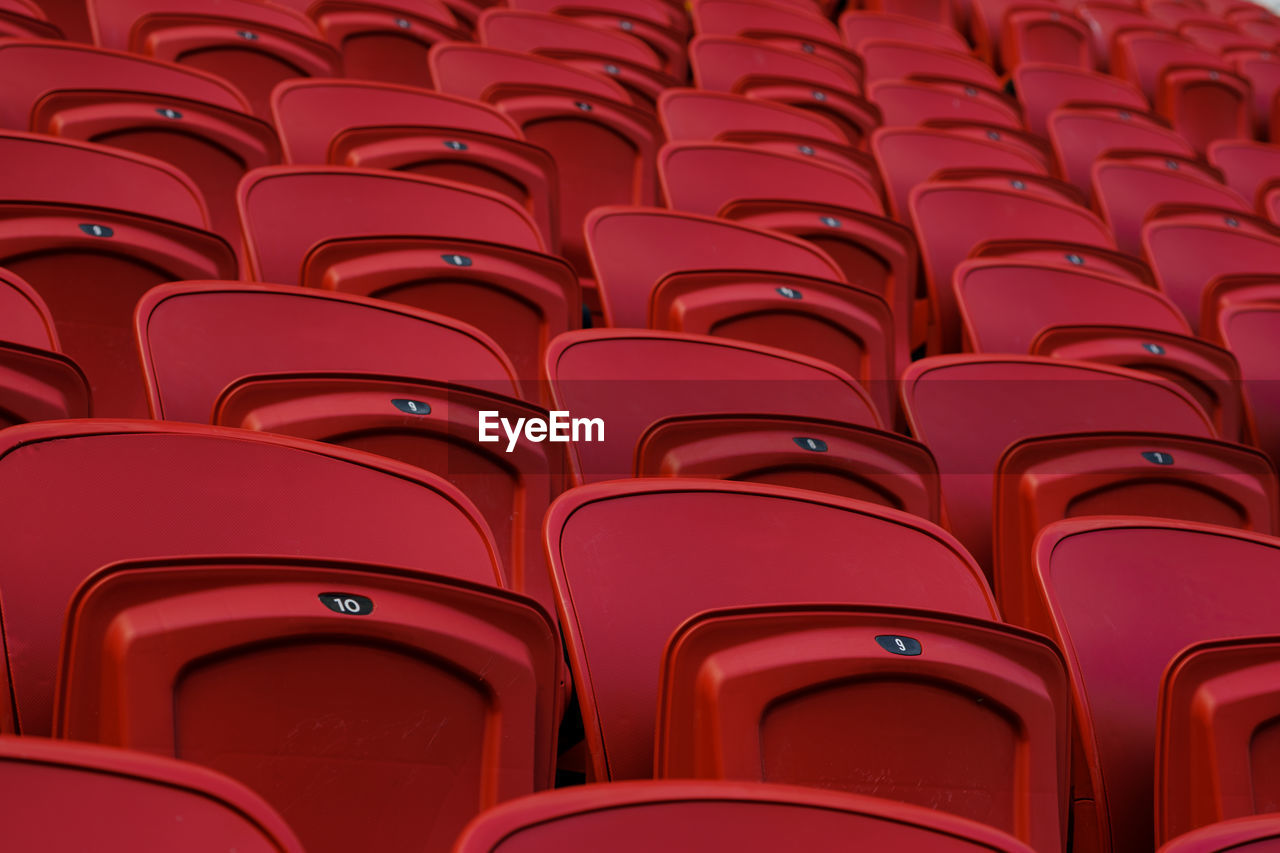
(347, 603)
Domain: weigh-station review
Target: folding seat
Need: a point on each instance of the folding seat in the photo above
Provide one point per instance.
(1251, 330)
(1261, 67)
(383, 126)
(1129, 189)
(800, 691)
(433, 425)
(1108, 19)
(1234, 289)
(1081, 135)
(914, 102)
(77, 796)
(91, 228)
(629, 379)
(1033, 146)
(890, 60)
(1006, 303)
(1217, 36)
(22, 19)
(1044, 88)
(785, 26)
(772, 73)
(691, 815)
(37, 383)
(937, 11)
(71, 17)
(1246, 165)
(1182, 582)
(969, 408)
(908, 156)
(807, 453)
(449, 695)
(604, 153)
(384, 40)
(1214, 735)
(695, 114)
(1188, 248)
(1262, 27)
(952, 217)
(252, 45)
(1070, 255)
(859, 25)
(105, 491)
(1258, 834)
(1209, 373)
(1042, 480)
(661, 25)
(623, 595)
(1044, 33)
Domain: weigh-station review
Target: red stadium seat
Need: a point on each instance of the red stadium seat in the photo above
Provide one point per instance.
(1081, 135)
(76, 796)
(39, 385)
(797, 694)
(621, 596)
(252, 45)
(1252, 332)
(1233, 289)
(1261, 67)
(952, 217)
(662, 26)
(1189, 248)
(807, 453)
(1142, 56)
(1217, 36)
(697, 115)
(1214, 735)
(1005, 304)
(1042, 32)
(1042, 480)
(1108, 19)
(1259, 834)
(1120, 629)
(24, 317)
(1056, 253)
(433, 425)
(787, 26)
(1246, 165)
(969, 408)
(912, 102)
(381, 126)
(71, 17)
(889, 60)
(106, 491)
(1206, 104)
(859, 25)
(1044, 88)
(937, 11)
(449, 689)
(690, 816)
(24, 19)
(632, 379)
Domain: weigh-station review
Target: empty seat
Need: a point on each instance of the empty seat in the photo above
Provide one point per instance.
(937, 11)
(251, 45)
(1044, 33)
(24, 317)
(1246, 165)
(772, 23)
(76, 796)
(91, 228)
(1250, 331)
(797, 694)
(1261, 67)
(858, 26)
(1044, 88)
(381, 126)
(1057, 253)
(449, 700)
(1129, 189)
(1042, 480)
(887, 59)
(968, 409)
(105, 491)
(1215, 735)
(694, 114)
(433, 425)
(1189, 248)
(626, 593)
(631, 379)
(1258, 834)
(688, 816)
(39, 385)
(952, 217)
(1206, 104)
(913, 102)
(23, 19)
(808, 453)
(663, 26)
(1005, 304)
(1181, 582)
(1081, 135)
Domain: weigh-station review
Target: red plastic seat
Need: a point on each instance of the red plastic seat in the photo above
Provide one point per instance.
(621, 596)
(449, 691)
(631, 379)
(694, 114)
(381, 126)
(1251, 330)
(1217, 36)
(1209, 373)
(1246, 165)
(76, 796)
(806, 453)
(1128, 190)
(1081, 135)
(1189, 248)
(1206, 104)
(915, 102)
(1259, 834)
(71, 17)
(937, 11)
(1044, 88)
(969, 408)
(251, 45)
(105, 491)
(24, 317)
(788, 26)
(661, 25)
(1056, 253)
(952, 217)
(688, 816)
(23, 19)
(859, 25)
(39, 385)
(1042, 480)
(1005, 304)
(1261, 67)
(887, 59)
(796, 694)
(1215, 735)
(1142, 56)
(1120, 629)
(1044, 33)
(1108, 19)
(433, 425)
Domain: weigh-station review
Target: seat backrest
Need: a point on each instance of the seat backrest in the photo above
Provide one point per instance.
(470, 70)
(687, 816)
(1082, 134)
(1182, 583)
(887, 59)
(24, 317)
(719, 62)
(1246, 164)
(1260, 834)
(197, 338)
(905, 103)
(1141, 56)
(859, 25)
(968, 409)
(620, 597)
(1249, 330)
(69, 796)
(1043, 88)
(796, 694)
(693, 114)
(521, 30)
(105, 491)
